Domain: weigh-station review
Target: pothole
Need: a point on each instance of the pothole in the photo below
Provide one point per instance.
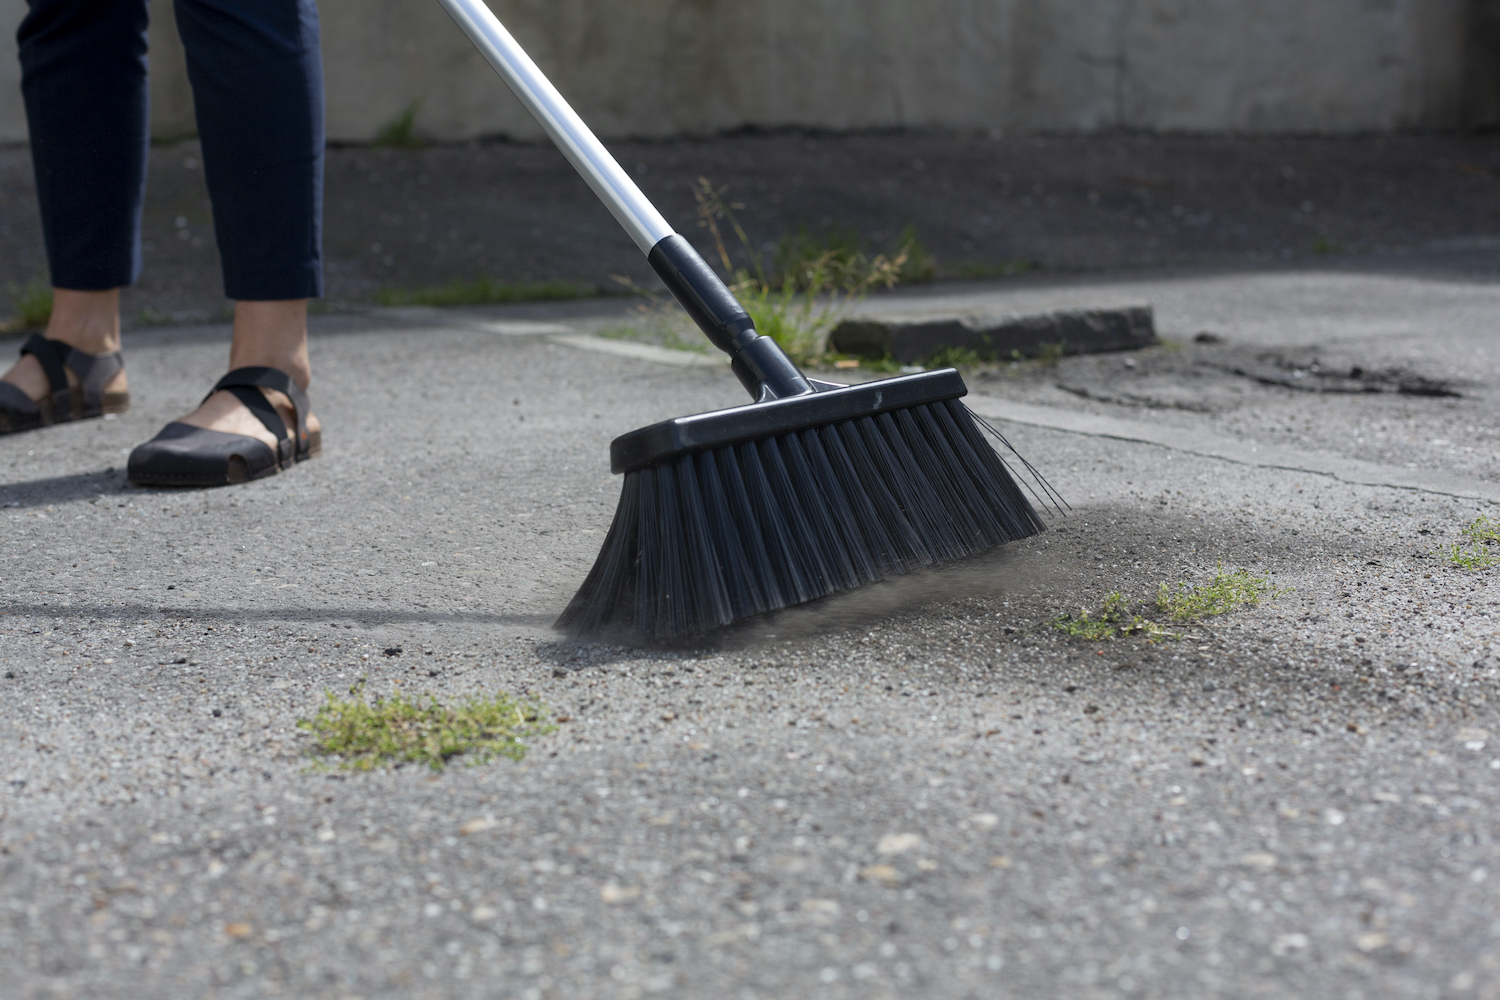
(1308, 373)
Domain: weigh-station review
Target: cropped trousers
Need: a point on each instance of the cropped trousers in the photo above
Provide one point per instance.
(257, 80)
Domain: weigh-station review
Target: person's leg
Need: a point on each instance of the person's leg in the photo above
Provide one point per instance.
(83, 78)
(257, 83)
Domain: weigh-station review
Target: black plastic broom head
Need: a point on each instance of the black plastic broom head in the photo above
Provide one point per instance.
(738, 512)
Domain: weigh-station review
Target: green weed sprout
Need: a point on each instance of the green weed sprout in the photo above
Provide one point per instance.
(1224, 593)
(1227, 591)
(1483, 542)
(1114, 620)
(361, 735)
(401, 131)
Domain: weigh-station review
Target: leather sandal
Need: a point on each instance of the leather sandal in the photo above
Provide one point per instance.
(184, 455)
(63, 403)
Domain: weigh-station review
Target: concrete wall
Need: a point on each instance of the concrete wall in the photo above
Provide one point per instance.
(662, 67)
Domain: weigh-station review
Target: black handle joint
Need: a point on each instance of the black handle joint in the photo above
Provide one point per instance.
(758, 362)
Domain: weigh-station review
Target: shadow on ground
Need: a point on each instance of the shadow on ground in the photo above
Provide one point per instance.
(366, 617)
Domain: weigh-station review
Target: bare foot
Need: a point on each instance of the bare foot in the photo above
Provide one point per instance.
(224, 412)
(89, 321)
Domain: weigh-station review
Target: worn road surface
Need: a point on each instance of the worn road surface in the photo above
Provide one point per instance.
(412, 218)
(918, 790)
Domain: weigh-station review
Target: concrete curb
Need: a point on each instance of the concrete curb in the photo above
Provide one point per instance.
(916, 338)
(1349, 470)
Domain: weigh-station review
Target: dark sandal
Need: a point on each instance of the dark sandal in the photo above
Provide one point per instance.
(184, 455)
(19, 412)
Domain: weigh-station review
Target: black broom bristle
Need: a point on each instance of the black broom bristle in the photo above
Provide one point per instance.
(706, 538)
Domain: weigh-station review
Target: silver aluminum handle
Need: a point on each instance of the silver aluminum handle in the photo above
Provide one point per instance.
(588, 156)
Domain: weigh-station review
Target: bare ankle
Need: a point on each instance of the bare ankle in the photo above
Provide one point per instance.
(273, 335)
(89, 321)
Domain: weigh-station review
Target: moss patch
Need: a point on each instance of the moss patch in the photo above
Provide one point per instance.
(359, 735)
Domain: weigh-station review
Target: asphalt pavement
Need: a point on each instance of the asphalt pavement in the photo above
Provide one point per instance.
(982, 204)
(921, 789)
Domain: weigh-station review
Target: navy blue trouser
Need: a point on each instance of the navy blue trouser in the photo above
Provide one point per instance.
(257, 79)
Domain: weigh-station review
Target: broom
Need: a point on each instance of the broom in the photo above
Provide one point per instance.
(812, 489)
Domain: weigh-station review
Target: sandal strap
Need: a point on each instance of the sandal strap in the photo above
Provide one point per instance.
(93, 370)
(260, 377)
(53, 355)
(257, 403)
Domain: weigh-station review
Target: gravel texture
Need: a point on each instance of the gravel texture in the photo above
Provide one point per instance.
(919, 789)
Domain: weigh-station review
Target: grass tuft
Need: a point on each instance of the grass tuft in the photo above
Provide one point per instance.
(485, 291)
(401, 131)
(33, 306)
(1483, 548)
(813, 281)
(360, 735)
(796, 296)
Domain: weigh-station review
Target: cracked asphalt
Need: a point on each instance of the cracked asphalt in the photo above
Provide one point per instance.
(917, 790)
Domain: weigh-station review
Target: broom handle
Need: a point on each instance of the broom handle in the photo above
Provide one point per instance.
(759, 363)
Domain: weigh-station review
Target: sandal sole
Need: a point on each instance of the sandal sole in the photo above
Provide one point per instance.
(237, 474)
(114, 402)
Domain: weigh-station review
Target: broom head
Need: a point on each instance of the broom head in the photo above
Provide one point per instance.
(738, 512)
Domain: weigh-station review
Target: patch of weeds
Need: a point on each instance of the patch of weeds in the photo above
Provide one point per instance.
(980, 270)
(1114, 620)
(1483, 548)
(485, 291)
(33, 306)
(835, 259)
(799, 323)
(814, 284)
(954, 357)
(835, 252)
(150, 317)
(1323, 245)
(1227, 591)
(401, 131)
(361, 735)
(1182, 604)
